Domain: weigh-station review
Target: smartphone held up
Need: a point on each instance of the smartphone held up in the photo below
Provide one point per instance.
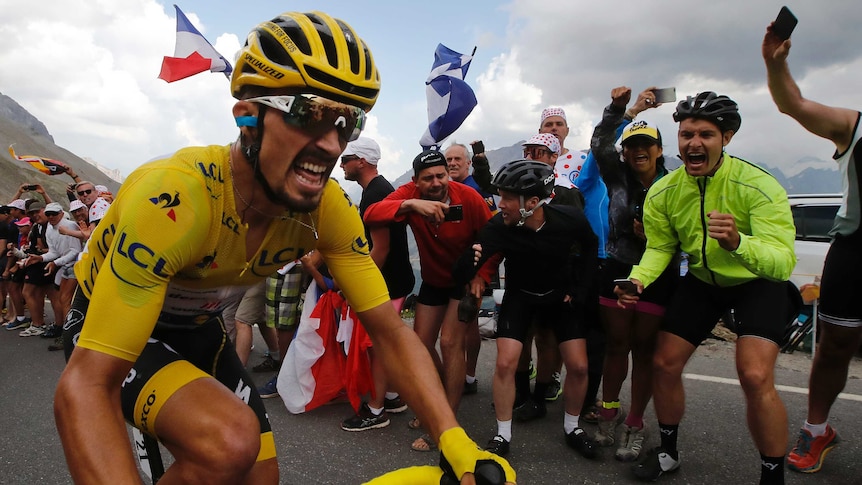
(784, 23)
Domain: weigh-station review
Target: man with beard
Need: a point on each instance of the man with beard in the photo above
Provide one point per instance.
(733, 220)
(445, 217)
(188, 234)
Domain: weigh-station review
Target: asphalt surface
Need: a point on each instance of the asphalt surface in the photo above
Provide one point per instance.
(312, 448)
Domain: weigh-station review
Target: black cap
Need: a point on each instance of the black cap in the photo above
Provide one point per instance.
(5, 209)
(428, 159)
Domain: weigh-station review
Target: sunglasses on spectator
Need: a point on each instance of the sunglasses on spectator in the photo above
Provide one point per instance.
(535, 152)
(317, 115)
(348, 158)
(82, 193)
(51, 213)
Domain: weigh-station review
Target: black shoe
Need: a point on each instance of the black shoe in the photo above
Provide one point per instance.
(580, 442)
(530, 410)
(57, 345)
(555, 388)
(395, 405)
(53, 331)
(498, 446)
(268, 365)
(365, 420)
(471, 387)
(656, 463)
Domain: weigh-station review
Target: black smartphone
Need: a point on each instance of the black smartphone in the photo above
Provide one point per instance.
(30, 187)
(455, 213)
(784, 23)
(665, 95)
(627, 285)
(478, 147)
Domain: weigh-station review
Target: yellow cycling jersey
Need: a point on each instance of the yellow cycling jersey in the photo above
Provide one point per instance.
(173, 242)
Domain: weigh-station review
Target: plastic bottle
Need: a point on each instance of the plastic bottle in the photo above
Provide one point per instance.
(683, 265)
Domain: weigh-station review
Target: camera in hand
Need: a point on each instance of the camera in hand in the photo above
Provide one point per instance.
(455, 213)
(478, 147)
(29, 187)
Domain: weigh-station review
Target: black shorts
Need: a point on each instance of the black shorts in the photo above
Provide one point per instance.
(839, 286)
(435, 296)
(178, 352)
(762, 308)
(35, 275)
(519, 310)
(658, 294)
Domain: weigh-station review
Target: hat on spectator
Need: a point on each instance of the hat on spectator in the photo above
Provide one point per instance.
(428, 159)
(5, 209)
(75, 205)
(101, 188)
(24, 221)
(546, 140)
(643, 129)
(35, 205)
(18, 204)
(548, 112)
(364, 147)
(53, 207)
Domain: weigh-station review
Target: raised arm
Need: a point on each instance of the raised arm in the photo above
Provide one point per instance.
(835, 124)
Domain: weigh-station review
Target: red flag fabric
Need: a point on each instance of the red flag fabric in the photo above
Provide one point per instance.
(327, 371)
(357, 377)
(192, 54)
(47, 166)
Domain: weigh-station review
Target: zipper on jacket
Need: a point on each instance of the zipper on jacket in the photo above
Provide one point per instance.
(701, 185)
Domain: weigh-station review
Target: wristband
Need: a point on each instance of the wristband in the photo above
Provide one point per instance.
(630, 115)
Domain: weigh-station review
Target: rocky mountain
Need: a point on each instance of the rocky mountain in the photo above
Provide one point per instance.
(31, 137)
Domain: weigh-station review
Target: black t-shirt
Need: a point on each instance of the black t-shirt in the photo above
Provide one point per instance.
(8, 234)
(396, 270)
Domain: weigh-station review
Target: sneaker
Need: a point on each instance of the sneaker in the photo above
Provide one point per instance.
(530, 410)
(656, 463)
(555, 388)
(31, 331)
(58, 344)
(269, 390)
(580, 442)
(365, 420)
(808, 454)
(53, 331)
(532, 370)
(268, 365)
(498, 446)
(394, 406)
(607, 432)
(16, 324)
(631, 443)
(471, 387)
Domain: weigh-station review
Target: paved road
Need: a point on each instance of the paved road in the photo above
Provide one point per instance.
(313, 449)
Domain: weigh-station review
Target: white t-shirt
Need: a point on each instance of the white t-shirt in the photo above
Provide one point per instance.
(568, 168)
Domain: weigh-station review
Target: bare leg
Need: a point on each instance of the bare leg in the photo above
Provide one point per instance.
(671, 355)
(829, 369)
(452, 350)
(767, 418)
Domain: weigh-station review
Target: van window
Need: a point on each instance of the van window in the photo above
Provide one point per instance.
(813, 222)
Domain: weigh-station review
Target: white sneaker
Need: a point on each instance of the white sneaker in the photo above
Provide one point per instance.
(631, 443)
(31, 331)
(606, 434)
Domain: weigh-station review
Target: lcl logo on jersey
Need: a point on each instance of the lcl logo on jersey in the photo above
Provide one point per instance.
(360, 246)
(167, 201)
(140, 255)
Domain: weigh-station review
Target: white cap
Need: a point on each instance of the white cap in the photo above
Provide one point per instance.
(53, 207)
(364, 148)
(75, 205)
(546, 140)
(18, 204)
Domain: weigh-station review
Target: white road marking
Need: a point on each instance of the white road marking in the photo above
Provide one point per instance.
(797, 390)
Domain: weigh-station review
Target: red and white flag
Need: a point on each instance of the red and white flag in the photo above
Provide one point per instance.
(193, 54)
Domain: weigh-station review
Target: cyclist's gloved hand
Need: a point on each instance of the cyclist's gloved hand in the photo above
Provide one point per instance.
(459, 455)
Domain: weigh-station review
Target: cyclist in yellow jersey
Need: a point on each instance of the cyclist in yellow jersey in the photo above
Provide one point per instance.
(184, 238)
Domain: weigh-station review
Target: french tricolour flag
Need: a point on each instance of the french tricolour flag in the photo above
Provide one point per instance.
(192, 54)
(450, 98)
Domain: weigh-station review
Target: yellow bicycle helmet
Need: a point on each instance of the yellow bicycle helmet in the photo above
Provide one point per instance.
(312, 51)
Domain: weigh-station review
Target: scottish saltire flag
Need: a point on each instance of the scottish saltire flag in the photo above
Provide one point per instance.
(192, 54)
(450, 99)
(45, 165)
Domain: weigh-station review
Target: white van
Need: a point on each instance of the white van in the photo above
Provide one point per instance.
(813, 215)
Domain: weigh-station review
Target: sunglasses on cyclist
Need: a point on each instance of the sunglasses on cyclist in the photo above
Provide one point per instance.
(535, 152)
(82, 193)
(317, 115)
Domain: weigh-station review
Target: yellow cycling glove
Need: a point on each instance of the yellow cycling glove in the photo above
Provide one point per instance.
(462, 455)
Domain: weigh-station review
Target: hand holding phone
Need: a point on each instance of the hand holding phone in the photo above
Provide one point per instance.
(478, 147)
(455, 213)
(627, 285)
(665, 95)
(784, 23)
(29, 187)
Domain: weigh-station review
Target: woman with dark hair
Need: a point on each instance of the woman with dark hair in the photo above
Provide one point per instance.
(628, 175)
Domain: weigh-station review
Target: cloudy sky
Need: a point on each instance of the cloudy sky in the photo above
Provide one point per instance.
(88, 68)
